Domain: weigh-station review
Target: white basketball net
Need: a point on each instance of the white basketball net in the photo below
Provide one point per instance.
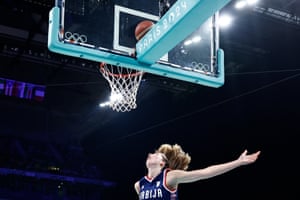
(124, 84)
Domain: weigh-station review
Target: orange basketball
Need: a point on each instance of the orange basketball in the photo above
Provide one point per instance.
(142, 28)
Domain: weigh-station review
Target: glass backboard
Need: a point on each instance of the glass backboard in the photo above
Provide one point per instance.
(103, 30)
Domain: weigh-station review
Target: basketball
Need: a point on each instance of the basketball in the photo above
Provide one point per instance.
(142, 28)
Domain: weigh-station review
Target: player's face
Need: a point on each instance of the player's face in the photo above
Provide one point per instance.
(154, 159)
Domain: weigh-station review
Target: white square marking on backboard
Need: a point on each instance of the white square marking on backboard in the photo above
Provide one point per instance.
(120, 9)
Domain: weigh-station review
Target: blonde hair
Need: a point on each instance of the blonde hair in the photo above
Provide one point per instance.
(177, 158)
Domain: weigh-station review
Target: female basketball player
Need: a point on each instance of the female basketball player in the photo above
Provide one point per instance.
(167, 169)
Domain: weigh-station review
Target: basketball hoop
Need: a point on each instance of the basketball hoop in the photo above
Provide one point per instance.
(124, 84)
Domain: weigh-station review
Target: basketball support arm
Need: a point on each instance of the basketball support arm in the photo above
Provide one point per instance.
(55, 44)
(184, 17)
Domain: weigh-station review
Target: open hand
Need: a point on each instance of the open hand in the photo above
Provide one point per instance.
(247, 159)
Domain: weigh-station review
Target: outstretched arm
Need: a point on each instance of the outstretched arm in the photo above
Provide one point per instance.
(179, 176)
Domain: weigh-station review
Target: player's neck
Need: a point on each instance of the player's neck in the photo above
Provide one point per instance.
(153, 172)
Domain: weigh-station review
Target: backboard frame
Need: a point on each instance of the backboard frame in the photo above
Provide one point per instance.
(98, 54)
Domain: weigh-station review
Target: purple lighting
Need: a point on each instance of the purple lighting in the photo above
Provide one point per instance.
(22, 90)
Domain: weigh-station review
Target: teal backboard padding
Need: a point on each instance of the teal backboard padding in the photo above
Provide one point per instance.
(56, 44)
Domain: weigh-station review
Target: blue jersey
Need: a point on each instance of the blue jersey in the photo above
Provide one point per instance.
(156, 189)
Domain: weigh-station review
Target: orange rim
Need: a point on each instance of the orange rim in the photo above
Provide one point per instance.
(103, 70)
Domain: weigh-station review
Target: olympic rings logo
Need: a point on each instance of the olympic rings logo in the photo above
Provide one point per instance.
(200, 66)
(75, 37)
